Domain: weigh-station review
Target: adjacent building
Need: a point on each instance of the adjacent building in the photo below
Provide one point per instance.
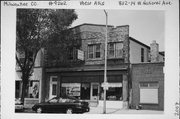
(32, 95)
(147, 78)
(148, 86)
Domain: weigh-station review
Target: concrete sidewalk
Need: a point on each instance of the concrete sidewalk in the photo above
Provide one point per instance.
(99, 110)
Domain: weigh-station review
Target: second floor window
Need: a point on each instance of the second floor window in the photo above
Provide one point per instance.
(72, 53)
(94, 51)
(115, 50)
(111, 50)
(142, 54)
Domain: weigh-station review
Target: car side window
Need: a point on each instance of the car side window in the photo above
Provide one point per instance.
(62, 100)
(53, 100)
(71, 100)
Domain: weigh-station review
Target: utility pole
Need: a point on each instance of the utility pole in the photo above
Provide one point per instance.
(105, 64)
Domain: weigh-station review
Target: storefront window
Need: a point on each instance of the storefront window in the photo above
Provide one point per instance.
(18, 89)
(54, 87)
(114, 92)
(71, 89)
(34, 89)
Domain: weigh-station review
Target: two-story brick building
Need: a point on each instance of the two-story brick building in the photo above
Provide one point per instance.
(84, 79)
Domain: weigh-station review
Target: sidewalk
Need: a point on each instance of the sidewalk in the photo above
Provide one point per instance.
(99, 110)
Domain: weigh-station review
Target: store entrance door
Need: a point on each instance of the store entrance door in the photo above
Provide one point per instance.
(94, 91)
(85, 91)
(53, 87)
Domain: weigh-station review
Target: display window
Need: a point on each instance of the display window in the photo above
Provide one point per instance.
(114, 92)
(71, 89)
(34, 89)
(18, 89)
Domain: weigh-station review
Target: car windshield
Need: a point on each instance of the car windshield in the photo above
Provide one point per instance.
(53, 100)
(73, 98)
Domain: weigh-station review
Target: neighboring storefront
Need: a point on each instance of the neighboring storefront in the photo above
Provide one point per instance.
(32, 95)
(33, 85)
(148, 86)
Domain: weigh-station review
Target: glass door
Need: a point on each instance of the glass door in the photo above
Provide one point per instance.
(85, 91)
(94, 91)
(53, 87)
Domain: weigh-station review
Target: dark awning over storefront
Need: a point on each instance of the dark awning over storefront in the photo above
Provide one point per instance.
(89, 68)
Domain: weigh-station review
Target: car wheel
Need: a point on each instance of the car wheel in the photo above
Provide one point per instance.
(69, 111)
(39, 110)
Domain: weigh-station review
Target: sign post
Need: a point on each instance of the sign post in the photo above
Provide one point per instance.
(105, 64)
(105, 86)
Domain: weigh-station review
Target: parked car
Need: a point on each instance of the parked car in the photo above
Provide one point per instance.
(18, 105)
(65, 104)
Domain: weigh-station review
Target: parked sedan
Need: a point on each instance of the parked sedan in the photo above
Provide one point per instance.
(66, 104)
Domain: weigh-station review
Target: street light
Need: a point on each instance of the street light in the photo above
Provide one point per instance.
(105, 65)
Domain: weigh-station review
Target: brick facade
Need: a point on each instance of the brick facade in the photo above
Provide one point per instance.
(95, 34)
(147, 72)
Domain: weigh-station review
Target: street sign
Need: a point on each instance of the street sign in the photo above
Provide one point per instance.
(105, 88)
(105, 85)
(80, 54)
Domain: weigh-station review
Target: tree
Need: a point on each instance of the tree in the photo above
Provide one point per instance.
(37, 29)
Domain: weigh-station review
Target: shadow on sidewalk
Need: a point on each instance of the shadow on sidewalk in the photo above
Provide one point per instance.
(111, 112)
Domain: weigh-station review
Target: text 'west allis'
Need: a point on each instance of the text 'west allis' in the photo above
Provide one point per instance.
(100, 3)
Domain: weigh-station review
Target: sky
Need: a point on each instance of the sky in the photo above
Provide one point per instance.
(144, 25)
